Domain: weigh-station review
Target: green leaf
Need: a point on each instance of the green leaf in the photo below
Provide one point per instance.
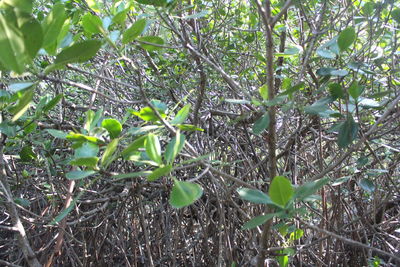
(23, 5)
(159, 3)
(134, 147)
(319, 107)
(22, 201)
(131, 175)
(336, 91)
(367, 185)
(184, 193)
(12, 43)
(23, 104)
(147, 114)
(325, 53)
(288, 52)
(152, 43)
(368, 103)
(281, 190)
(396, 15)
(355, 90)
(113, 127)
(261, 124)
(86, 150)
(16, 87)
(346, 38)
(153, 148)
(64, 213)
(108, 153)
(256, 221)
(189, 128)
(27, 154)
(52, 103)
(174, 147)
(77, 175)
(57, 133)
(52, 26)
(296, 235)
(92, 24)
(82, 138)
(309, 188)
(182, 115)
(157, 173)
(263, 90)
(134, 31)
(200, 14)
(254, 196)
(78, 53)
(33, 35)
(347, 132)
(88, 162)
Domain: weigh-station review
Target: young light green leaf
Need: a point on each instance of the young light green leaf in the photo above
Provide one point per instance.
(151, 43)
(346, 38)
(153, 148)
(108, 153)
(77, 175)
(261, 124)
(134, 146)
(182, 115)
(52, 103)
(134, 31)
(254, 196)
(88, 162)
(184, 193)
(157, 173)
(131, 175)
(256, 221)
(281, 190)
(263, 90)
(113, 127)
(347, 132)
(174, 147)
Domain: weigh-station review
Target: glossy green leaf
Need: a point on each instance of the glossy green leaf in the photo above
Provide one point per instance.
(263, 90)
(77, 175)
(346, 38)
(134, 31)
(52, 26)
(159, 172)
(296, 235)
(261, 124)
(153, 148)
(189, 127)
(52, 103)
(254, 196)
(57, 133)
(12, 44)
(347, 132)
(79, 52)
(184, 193)
(309, 188)
(107, 157)
(82, 138)
(182, 115)
(281, 190)
(257, 221)
(23, 104)
(131, 175)
(151, 43)
(367, 185)
(92, 24)
(174, 147)
(134, 146)
(113, 127)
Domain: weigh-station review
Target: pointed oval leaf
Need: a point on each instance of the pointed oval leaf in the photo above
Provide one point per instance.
(57, 133)
(263, 90)
(151, 43)
(87, 150)
(52, 27)
(254, 196)
(153, 148)
(88, 162)
(367, 185)
(113, 127)
(174, 147)
(281, 190)
(346, 38)
(256, 221)
(78, 53)
(109, 152)
(92, 23)
(134, 146)
(396, 15)
(347, 132)
(134, 31)
(182, 115)
(184, 193)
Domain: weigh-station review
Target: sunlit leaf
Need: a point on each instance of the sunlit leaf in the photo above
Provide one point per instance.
(113, 127)
(184, 193)
(281, 190)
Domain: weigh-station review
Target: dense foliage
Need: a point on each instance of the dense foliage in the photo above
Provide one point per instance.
(199, 132)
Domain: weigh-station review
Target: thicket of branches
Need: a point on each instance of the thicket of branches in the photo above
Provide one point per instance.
(244, 91)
